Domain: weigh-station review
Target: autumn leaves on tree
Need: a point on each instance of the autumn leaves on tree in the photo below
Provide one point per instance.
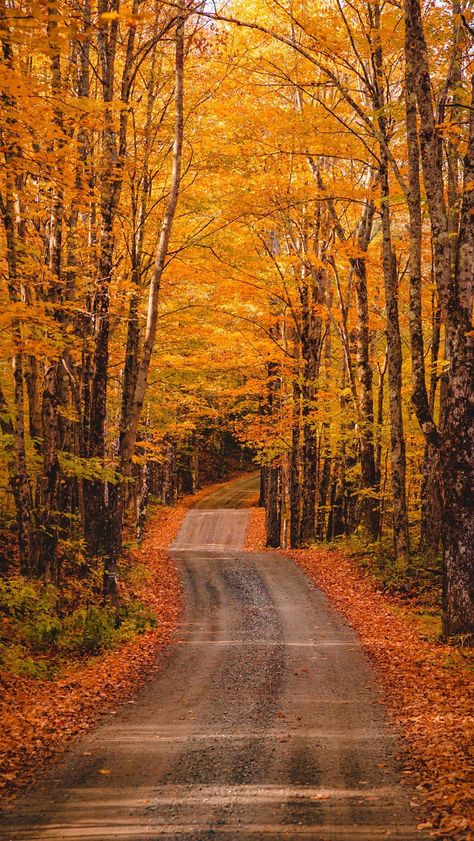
(257, 221)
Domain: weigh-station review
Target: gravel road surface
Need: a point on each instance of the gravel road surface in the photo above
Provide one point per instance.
(265, 722)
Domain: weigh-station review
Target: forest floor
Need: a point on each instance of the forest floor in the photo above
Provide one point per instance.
(428, 685)
(39, 718)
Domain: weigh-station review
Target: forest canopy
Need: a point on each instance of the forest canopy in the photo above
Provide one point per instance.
(238, 231)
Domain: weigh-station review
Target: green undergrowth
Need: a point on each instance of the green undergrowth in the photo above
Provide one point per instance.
(44, 627)
(416, 588)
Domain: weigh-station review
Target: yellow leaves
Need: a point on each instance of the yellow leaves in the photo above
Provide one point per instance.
(377, 321)
(352, 251)
(451, 130)
(123, 15)
(105, 17)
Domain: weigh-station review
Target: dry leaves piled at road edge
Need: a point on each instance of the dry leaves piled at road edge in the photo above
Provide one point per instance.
(255, 537)
(39, 718)
(427, 689)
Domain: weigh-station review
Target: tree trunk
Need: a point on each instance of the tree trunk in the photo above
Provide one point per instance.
(323, 489)
(114, 148)
(457, 455)
(370, 505)
(295, 460)
(310, 353)
(128, 438)
(19, 479)
(262, 485)
(455, 289)
(394, 356)
(394, 344)
(20, 490)
(431, 502)
(364, 398)
(431, 519)
(49, 512)
(273, 509)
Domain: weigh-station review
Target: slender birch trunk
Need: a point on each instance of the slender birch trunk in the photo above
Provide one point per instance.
(394, 344)
(364, 395)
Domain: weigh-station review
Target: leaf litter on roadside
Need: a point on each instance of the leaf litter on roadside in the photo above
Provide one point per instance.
(39, 718)
(428, 686)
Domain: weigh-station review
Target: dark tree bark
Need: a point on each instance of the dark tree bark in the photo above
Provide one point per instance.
(114, 147)
(129, 433)
(431, 502)
(394, 344)
(394, 356)
(273, 507)
(457, 454)
(295, 460)
(17, 487)
(323, 489)
(364, 396)
(455, 289)
(311, 332)
(18, 474)
(370, 482)
(50, 482)
(430, 498)
(262, 490)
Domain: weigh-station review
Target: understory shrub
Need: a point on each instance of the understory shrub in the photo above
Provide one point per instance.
(39, 629)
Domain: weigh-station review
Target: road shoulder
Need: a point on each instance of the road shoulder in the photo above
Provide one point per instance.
(427, 686)
(41, 718)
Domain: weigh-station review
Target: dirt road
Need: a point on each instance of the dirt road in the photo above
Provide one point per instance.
(265, 722)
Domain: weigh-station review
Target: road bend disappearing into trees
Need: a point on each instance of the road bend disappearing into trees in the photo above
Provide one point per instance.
(265, 721)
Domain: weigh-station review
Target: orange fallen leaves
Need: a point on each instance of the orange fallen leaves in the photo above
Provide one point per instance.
(255, 537)
(428, 694)
(39, 718)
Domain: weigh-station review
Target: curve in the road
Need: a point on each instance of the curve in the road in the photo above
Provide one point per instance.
(265, 722)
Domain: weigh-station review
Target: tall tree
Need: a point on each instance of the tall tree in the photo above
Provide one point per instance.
(455, 287)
